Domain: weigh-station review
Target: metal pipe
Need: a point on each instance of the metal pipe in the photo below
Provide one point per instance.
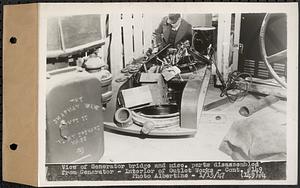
(252, 107)
(123, 117)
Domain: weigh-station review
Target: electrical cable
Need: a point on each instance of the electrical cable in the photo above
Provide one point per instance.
(232, 84)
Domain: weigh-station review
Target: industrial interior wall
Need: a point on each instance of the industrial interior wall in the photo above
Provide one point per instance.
(132, 34)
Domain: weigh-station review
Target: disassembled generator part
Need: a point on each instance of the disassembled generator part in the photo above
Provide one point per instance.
(123, 117)
(251, 108)
(158, 122)
(148, 126)
(96, 67)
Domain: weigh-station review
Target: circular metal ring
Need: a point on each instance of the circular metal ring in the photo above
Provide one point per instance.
(123, 117)
(267, 58)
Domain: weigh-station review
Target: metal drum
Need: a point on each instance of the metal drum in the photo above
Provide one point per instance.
(203, 37)
(74, 131)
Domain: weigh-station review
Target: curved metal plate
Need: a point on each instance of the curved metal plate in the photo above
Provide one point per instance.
(135, 129)
(193, 98)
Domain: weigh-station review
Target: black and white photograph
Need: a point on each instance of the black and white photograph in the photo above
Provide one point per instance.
(139, 96)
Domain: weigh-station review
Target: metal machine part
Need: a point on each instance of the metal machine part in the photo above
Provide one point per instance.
(193, 99)
(123, 117)
(159, 111)
(229, 88)
(181, 95)
(250, 108)
(168, 119)
(162, 122)
(156, 117)
(97, 67)
(74, 121)
(148, 126)
(202, 38)
(270, 58)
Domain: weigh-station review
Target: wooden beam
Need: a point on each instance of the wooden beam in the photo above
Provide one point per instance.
(236, 42)
(215, 104)
(148, 30)
(223, 43)
(265, 89)
(116, 50)
(127, 24)
(137, 33)
(226, 45)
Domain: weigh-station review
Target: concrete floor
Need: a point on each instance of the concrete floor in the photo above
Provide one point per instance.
(201, 147)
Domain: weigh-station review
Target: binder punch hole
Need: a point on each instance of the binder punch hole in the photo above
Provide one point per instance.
(13, 40)
(13, 146)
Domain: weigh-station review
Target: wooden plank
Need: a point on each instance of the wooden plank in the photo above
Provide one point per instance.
(236, 42)
(127, 23)
(137, 33)
(223, 44)
(220, 42)
(103, 51)
(265, 89)
(215, 104)
(268, 90)
(116, 51)
(148, 30)
(226, 45)
(270, 82)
